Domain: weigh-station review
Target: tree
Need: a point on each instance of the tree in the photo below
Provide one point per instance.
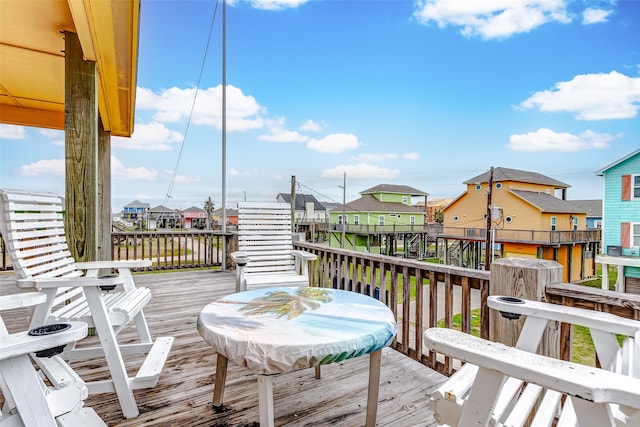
(208, 208)
(438, 216)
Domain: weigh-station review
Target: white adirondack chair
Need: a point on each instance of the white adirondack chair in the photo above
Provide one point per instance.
(28, 400)
(33, 231)
(265, 255)
(502, 385)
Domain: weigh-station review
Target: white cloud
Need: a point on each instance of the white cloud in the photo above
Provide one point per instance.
(336, 143)
(595, 16)
(56, 136)
(176, 104)
(43, 167)
(360, 170)
(149, 137)
(278, 134)
(375, 157)
(233, 172)
(411, 156)
(495, 19)
(276, 4)
(119, 171)
(12, 132)
(591, 97)
(547, 140)
(183, 179)
(310, 126)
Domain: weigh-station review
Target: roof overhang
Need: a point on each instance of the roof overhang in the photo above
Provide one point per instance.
(32, 80)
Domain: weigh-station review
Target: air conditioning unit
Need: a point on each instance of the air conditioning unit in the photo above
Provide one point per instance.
(614, 250)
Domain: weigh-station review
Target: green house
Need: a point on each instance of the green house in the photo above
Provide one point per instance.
(381, 211)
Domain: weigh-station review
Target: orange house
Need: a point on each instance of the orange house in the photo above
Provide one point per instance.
(530, 217)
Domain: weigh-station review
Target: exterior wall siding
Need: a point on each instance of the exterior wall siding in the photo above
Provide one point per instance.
(617, 210)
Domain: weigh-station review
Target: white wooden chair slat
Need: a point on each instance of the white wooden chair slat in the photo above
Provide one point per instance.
(265, 255)
(525, 403)
(546, 413)
(33, 244)
(33, 251)
(33, 230)
(554, 378)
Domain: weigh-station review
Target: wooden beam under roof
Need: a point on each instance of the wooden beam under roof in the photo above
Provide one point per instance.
(32, 76)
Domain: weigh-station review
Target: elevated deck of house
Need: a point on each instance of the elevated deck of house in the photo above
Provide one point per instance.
(184, 393)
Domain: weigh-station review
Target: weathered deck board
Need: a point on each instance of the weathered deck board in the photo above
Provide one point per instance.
(185, 390)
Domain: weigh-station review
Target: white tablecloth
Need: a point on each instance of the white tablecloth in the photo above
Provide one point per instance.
(277, 330)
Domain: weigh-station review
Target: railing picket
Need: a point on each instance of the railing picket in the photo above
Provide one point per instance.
(465, 308)
(419, 310)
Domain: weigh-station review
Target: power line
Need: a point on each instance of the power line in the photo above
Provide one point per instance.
(204, 60)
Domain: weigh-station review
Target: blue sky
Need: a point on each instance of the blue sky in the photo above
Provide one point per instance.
(426, 93)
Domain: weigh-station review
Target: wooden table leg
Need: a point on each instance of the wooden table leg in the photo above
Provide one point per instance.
(265, 400)
(374, 387)
(221, 378)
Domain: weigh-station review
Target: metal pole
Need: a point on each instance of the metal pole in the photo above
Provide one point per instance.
(292, 202)
(487, 244)
(224, 133)
(344, 210)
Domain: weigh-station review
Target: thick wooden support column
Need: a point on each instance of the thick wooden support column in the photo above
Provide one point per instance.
(524, 278)
(104, 195)
(81, 145)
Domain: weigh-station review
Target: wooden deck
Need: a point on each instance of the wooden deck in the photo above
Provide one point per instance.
(184, 393)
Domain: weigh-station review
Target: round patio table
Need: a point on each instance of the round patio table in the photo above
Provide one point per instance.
(278, 330)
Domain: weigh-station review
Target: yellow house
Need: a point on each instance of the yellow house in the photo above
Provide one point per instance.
(530, 217)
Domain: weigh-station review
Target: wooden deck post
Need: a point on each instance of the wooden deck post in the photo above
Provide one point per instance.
(81, 142)
(103, 240)
(523, 278)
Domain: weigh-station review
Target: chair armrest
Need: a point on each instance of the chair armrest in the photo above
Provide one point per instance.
(304, 255)
(93, 265)
(63, 282)
(240, 258)
(593, 384)
(22, 343)
(578, 316)
(26, 299)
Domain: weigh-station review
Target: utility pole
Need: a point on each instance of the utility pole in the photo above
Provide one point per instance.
(293, 203)
(344, 210)
(487, 244)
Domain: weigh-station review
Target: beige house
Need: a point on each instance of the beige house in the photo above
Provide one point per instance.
(530, 217)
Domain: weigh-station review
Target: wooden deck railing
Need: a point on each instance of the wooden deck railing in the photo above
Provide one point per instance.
(165, 249)
(170, 249)
(417, 305)
(544, 237)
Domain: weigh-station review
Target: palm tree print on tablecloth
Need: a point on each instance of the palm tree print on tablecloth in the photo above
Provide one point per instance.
(282, 303)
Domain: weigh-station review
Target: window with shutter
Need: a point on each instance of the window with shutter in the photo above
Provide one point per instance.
(625, 234)
(626, 187)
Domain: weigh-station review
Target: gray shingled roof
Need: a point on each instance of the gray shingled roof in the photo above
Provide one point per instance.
(593, 207)
(368, 203)
(505, 174)
(193, 209)
(162, 208)
(137, 204)
(548, 203)
(302, 200)
(394, 189)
